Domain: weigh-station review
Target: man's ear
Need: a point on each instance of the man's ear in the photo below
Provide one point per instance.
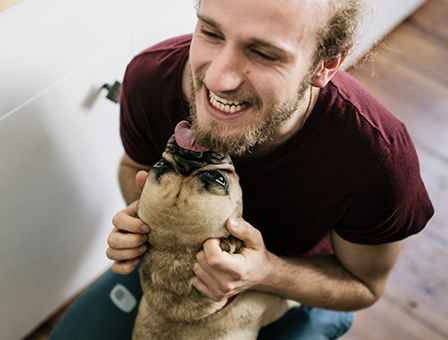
(327, 69)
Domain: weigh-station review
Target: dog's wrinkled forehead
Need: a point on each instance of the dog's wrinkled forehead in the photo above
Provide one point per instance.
(189, 161)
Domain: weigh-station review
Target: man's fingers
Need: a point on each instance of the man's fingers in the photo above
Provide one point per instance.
(212, 250)
(131, 208)
(125, 267)
(200, 286)
(204, 289)
(213, 256)
(127, 240)
(203, 280)
(242, 230)
(125, 254)
(119, 240)
(126, 221)
(140, 179)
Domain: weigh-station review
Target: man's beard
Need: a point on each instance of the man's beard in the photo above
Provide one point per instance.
(259, 129)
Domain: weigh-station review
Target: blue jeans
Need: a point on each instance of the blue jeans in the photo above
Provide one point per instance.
(107, 310)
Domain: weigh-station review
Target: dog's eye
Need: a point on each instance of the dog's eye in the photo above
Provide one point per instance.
(161, 168)
(219, 178)
(214, 181)
(160, 164)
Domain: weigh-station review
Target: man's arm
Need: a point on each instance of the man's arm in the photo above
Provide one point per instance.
(352, 278)
(126, 241)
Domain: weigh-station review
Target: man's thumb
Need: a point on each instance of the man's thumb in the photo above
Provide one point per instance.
(242, 230)
(140, 179)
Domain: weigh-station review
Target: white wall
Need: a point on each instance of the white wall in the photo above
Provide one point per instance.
(392, 12)
(59, 139)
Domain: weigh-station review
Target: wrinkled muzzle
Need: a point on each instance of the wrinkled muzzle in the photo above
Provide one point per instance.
(188, 161)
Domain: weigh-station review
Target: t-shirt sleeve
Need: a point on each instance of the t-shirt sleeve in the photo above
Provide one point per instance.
(394, 204)
(133, 116)
(151, 100)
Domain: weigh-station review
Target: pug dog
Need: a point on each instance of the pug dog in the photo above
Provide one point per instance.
(187, 198)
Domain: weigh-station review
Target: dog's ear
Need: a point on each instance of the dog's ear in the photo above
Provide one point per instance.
(231, 245)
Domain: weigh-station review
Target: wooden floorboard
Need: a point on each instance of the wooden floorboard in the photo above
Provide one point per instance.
(435, 174)
(386, 322)
(418, 284)
(416, 97)
(433, 18)
(410, 78)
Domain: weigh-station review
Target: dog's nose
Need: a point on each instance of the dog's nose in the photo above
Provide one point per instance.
(189, 154)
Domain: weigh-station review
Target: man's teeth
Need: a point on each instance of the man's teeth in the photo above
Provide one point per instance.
(228, 106)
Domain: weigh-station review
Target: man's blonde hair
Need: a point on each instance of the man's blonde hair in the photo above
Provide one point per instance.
(344, 30)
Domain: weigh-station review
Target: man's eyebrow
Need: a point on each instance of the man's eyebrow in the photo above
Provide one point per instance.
(271, 46)
(207, 20)
(255, 41)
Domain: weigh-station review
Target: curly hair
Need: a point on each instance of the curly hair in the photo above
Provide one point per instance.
(344, 30)
(197, 4)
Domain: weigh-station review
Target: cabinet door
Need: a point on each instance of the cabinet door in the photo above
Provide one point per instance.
(59, 156)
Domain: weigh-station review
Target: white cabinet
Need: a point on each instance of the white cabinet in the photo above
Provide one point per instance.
(59, 140)
(58, 193)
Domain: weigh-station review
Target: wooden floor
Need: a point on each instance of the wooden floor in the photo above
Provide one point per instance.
(410, 78)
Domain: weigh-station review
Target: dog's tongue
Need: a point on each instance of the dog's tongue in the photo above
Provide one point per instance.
(185, 139)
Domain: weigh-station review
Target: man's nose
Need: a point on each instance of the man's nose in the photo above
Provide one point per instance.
(226, 71)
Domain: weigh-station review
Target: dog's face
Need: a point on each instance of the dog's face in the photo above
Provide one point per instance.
(188, 197)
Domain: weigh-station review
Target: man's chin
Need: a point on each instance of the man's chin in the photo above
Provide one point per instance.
(221, 139)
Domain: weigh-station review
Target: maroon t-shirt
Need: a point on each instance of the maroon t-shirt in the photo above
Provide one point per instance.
(352, 167)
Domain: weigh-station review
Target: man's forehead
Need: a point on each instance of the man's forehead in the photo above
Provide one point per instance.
(292, 20)
(320, 5)
(311, 12)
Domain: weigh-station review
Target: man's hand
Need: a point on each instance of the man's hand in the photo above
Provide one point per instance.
(350, 279)
(220, 275)
(127, 240)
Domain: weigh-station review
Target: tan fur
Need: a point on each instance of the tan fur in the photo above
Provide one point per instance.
(183, 213)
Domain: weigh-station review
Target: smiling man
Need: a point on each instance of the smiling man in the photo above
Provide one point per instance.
(249, 75)
(330, 178)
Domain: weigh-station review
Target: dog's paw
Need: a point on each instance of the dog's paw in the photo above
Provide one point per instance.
(231, 245)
